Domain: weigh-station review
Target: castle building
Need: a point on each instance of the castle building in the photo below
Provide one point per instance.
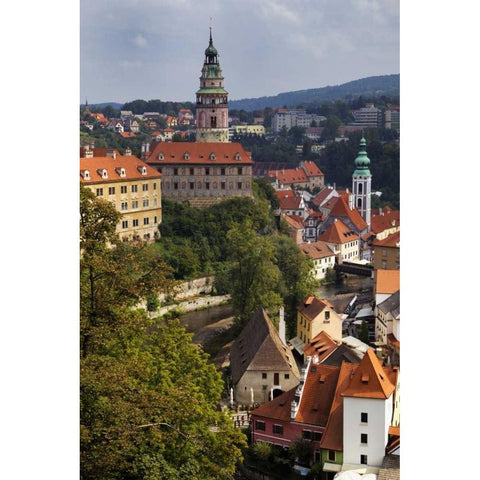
(362, 184)
(132, 186)
(211, 169)
(212, 100)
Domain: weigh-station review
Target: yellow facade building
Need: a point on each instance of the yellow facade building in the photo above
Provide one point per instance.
(130, 184)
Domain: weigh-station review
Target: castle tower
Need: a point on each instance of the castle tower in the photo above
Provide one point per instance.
(362, 183)
(212, 100)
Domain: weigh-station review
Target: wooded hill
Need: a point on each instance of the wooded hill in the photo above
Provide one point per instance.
(382, 85)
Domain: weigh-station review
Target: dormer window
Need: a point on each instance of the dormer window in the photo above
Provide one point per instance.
(237, 156)
(142, 169)
(103, 172)
(213, 156)
(86, 175)
(186, 156)
(161, 156)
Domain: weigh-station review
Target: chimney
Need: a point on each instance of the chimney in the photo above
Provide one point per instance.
(111, 153)
(281, 325)
(128, 151)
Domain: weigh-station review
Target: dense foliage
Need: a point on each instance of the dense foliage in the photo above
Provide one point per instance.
(149, 396)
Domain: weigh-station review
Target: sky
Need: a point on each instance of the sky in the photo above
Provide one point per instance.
(154, 49)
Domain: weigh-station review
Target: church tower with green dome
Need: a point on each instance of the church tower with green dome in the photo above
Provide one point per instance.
(212, 100)
(362, 183)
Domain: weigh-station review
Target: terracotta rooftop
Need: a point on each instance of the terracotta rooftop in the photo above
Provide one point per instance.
(338, 232)
(341, 209)
(321, 346)
(312, 169)
(392, 241)
(311, 307)
(370, 379)
(388, 218)
(198, 153)
(288, 200)
(322, 195)
(294, 221)
(316, 250)
(387, 281)
(132, 165)
(288, 176)
(258, 347)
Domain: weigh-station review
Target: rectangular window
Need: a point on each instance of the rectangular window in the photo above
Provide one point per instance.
(99, 192)
(207, 186)
(331, 455)
(259, 425)
(135, 222)
(175, 185)
(364, 417)
(134, 188)
(111, 190)
(287, 376)
(135, 204)
(317, 457)
(123, 189)
(222, 171)
(175, 171)
(278, 429)
(327, 315)
(155, 219)
(239, 185)
(124, 206)
(239, 170)
(207, 171)
(363, 459)
(317, 436)
(145, 187)
(192, 171)
(125, 224)
(223, 185)
(192, 185)
(363, 438)
(146, 221)
(154, 185)
(264, 375)
(307, 434)
(145, 203)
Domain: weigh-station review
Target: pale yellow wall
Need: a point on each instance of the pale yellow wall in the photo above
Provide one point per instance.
(153, 211)
(309, 329)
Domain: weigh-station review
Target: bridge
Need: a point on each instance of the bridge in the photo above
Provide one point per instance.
(354, 269)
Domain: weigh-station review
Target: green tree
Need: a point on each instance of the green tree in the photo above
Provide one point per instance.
(148, 395)
(253, 277)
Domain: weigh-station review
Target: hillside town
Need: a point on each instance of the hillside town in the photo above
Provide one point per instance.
(327, 387)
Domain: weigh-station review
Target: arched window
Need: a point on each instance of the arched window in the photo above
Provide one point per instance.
(360, 188)
(359, 203)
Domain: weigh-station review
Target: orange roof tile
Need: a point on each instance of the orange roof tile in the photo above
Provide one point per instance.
(131, 164)
(338, 232)
(294, 221)
(387, 281)
(322, 345)
(388, 219)
(392, 241)
(370, 379)
(341, 209)
(322, 195)
(311, 307)
(316, 250)
(199, 153)
(288, 200)
(312, 169)
(290, 175)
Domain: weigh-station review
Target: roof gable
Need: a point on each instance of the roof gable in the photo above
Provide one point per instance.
(369, 380)
(338, 232)
(341, 209)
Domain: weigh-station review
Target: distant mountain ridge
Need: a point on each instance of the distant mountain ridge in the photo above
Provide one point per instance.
(388, 85)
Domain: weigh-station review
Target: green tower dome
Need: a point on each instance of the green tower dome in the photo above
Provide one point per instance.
(362, 162)
(211, 50)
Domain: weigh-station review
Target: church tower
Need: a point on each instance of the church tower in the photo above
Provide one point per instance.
(212, 100)
(362, 183)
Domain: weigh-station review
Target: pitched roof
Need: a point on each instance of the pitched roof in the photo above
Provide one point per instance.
(259, 347)
(390, 469)
(392, 241)
(311, 307)
(387, 281)
(295, 221)
(131, 164)
(98, 152)
(322, 195)
(369, 380)
(199, 153)
(333, 437)
(385, 218)
(311, 168)
(392, 303)
(288, 200)
(316, 250)
(341, 209)
(321, 346)
(290, 175)
(338, 232)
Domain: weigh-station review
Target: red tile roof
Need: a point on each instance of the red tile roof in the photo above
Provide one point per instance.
(338, 232)
(127, 134)
(388, 218)
(311, 307)
(341, 209)
(321, 346)
(288, 200)
(393, 241)
(312, 169)
(294, 221)
(316, 250)
(288, 176)
(131, 164)
(199, 153)
(322, 195)
(369, 380)
(387, 281)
